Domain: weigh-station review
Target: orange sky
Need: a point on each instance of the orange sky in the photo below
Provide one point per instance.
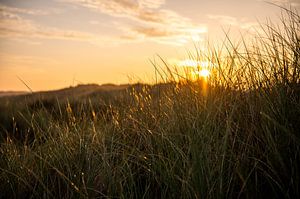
(51, 44)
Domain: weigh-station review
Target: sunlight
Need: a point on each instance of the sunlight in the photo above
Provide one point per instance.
(197, 69)
(203, 73)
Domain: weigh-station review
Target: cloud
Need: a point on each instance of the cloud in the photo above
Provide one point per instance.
(163, 35)
(16, 27)
(7, 9)
(112, 7)
(159, 32)
(152, 32)
(23, 30)
(19, 27)
(143, 10)
(151, 21)
(228, 20)
(13, 26)
(233, 21)
(151, 3)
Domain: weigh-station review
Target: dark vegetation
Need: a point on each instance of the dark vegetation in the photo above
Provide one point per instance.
(236, 137)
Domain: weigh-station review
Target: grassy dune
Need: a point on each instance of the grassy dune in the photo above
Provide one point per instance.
(236, 135)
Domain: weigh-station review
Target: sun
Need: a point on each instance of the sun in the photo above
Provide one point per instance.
(196, 69)
(204, 73)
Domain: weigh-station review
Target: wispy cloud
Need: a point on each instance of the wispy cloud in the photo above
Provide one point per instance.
(14, 26)
(241, 23)
(151, 21)
(165, 35)
(152, 32)
(8, 9)
(151, 3)
(228, 20)
(146, 11)
(138, 10)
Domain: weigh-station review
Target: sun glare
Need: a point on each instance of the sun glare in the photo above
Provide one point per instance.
(204, 73)
(197, 68)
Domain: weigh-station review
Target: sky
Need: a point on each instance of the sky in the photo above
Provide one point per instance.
(51, 44)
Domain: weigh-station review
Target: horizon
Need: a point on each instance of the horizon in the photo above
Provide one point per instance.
(69, 86)
(56, 44)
